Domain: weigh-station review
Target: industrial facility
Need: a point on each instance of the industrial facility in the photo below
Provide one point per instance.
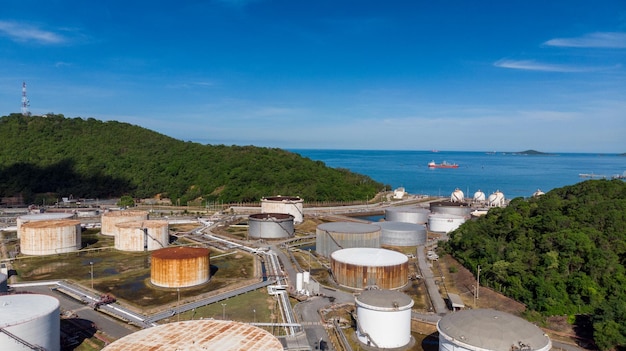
(180, 267)
(270, 226)
(489, 330)
(28, 321)
(383, 319)
(145, 235)
(292, 205)
(334, 236)
(199, 335)
(402, 234)
(110, 220)
(360, 268)
(50, 237)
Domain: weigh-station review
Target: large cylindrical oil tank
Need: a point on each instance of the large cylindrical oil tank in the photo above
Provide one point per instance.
(489, 330)
(292, 205)
(359, 268)
(178, 267)
(334, 236)
(111, 218)
(408, 214)
(453, 208)
(50, 237)
(41, 217)
(383, 318)
(207, 334)
(142, 235)
(270, 226)
(444, 223)
(402, 234)
(30, 317)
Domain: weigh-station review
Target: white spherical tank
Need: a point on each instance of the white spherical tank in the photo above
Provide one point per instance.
(199, 335)
(21, 220)
(270, 226)
(489, 330)
(359, 268)
(538, 193)
(292, 205)
(496, 199)
(111, 218)
(457, 196)
(408, 214)
(334, 236)
(142, 235)
(444, 223)
(402, 234)
(32, 318)
(50, 237)
(383, 318)
(479, 196)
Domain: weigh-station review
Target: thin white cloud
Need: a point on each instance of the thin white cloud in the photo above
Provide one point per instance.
(531, 65)
(21, 32)
(613, 40)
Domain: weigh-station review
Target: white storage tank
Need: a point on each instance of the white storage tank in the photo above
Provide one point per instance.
(457, 196)
(292, 205)
(479, 196)
(207, 334)
(31, 317)
(496, 199)
(402, 233)
(271, 226)
(444, 223)
(142, 235)
(383, 318)
(537, 193)
(489, 330)
(449, 207)
(408, 214)
(111, 218)
(50, 237)
(360, 268)
(21, 220)
(334, 236)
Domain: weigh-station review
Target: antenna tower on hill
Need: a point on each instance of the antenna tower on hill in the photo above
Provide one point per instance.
(25, 102)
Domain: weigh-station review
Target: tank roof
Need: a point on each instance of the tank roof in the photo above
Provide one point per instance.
(282, 198)
(348, 227)
(54, 223)
(492, 330)
(143, 224)
(401, 226)
(366, 256)
(199, 335)
(180, 252)
(408, 209)
(388, 299)
(20, 308)
(125, 213)
(273, 216)
(449, 204)
(44, 216)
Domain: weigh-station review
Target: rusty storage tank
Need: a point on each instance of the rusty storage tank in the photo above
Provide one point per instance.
(402, 233)
(50, 237)
(292, 205)
(359, 268)
(333, 236)
(489, 330)
(383, 318)
(142, 235)
(444, 223)
(452, 208)
(270, 226)
(111, 218)
(204, 334)
(408, 214)
(41, 217)
(33, 318)
(178, 267)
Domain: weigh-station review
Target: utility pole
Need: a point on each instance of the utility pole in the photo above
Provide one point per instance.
(478, 282)
(223, 311)
(91, 266)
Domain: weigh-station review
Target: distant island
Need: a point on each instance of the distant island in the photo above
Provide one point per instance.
(532, 152)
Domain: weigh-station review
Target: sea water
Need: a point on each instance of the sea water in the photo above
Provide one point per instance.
(514, 174)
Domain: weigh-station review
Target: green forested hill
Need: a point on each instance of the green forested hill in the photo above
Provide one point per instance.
(60, 156)
(561, 253)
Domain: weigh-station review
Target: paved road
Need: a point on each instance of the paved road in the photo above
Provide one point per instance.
(439, 305)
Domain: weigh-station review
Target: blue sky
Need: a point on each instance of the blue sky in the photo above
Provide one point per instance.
(398, 75)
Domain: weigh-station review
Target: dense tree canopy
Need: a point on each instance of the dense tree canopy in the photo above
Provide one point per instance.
(561, 253)
(92, 158)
